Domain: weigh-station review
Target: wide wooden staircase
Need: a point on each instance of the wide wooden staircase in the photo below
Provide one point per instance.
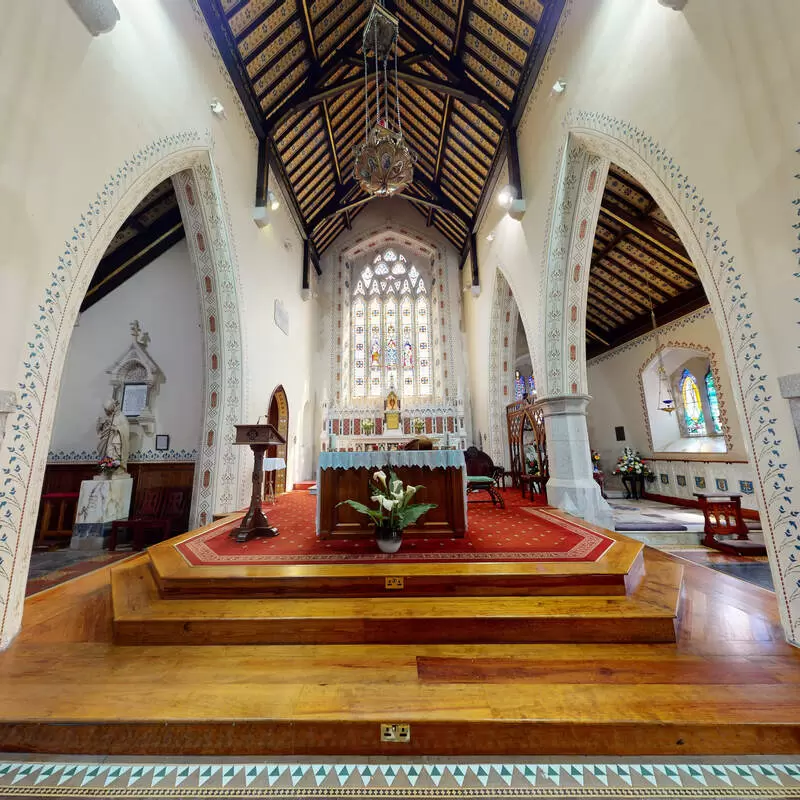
(624, 597)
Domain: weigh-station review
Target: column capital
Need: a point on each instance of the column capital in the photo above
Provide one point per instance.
(563, 404)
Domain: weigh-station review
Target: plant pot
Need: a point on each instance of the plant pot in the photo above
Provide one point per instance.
(388, 539)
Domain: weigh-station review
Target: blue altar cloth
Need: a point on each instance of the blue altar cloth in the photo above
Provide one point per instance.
(434, 459)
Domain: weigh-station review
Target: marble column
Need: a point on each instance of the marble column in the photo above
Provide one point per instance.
(571, 486)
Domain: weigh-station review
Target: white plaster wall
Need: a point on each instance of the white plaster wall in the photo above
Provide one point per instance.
(163, 297)
(616, 400)
(719, 88)
(74, 110)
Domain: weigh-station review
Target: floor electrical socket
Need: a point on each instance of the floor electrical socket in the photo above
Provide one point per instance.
(395, 733)
(395, 583)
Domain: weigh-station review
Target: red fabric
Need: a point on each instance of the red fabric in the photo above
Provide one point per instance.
(518, 533)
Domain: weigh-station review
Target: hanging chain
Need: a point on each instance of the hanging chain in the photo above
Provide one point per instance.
(385, 94)
(377, 80)
(397, 92)
(366, 94)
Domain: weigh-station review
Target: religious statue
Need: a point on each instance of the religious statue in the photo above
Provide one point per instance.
(113, 436)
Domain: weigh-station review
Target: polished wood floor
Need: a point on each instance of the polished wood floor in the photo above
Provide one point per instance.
(729, 685)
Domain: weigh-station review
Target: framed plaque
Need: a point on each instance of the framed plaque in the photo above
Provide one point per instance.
(134, 399)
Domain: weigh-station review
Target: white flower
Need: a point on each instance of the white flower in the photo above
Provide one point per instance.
(410, 490)
(379, 477)
(397, 489)
(388, 504)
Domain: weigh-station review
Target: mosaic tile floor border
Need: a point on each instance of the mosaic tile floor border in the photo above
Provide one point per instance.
(184, 778)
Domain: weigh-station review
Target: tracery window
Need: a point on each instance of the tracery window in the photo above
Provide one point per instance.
(713, 402)
(523, 386)
(391, 336)
(692, 405)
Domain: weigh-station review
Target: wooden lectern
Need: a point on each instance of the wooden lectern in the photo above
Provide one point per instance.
(255, 523)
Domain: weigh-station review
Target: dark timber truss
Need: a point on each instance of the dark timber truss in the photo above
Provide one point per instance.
(465, 68)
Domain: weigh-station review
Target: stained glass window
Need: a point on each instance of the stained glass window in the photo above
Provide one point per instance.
(375, 384)
(359, 343)
(692, 405)
(531, 387)
(519, 385)
(423, 349)
(391, 336)
(713, 402)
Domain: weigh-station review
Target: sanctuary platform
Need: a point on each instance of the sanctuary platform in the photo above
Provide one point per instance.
(521, 574)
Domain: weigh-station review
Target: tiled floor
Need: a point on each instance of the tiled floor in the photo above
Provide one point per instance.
(51, 567)
(544, 777)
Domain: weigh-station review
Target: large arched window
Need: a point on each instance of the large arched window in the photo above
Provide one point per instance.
(692, 405)
(391, 329)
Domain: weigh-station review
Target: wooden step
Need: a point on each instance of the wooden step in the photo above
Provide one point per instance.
(143, 616)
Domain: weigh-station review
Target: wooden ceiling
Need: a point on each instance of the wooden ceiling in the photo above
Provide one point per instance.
(466, 68)
(637, 259)
(151, 229)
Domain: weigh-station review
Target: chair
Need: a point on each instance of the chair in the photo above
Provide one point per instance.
(56, 518)
(149, 516)
(483, 475)
(176, 509)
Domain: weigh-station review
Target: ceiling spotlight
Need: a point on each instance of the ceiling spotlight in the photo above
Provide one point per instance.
(217, 109)
(559, 86)
(505, 197)
(490, 237)
(274, 203)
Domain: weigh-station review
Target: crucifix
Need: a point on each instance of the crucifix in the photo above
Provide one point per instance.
(255, 523)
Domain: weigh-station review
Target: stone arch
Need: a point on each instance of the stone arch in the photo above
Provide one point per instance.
(23, 458)
(278, 416)
(503, 327)
(593, 141)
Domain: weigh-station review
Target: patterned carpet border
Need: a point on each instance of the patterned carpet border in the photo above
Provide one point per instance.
(730, 778)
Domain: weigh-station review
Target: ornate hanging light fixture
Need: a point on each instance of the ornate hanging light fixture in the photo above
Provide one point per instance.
(384, 164)
(666, 401)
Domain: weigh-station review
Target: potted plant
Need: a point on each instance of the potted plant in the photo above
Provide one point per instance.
(395, 510)
(419, 425)
(367, 426)
(595, 461)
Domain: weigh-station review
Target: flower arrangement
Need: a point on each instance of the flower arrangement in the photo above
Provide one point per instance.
(595, 461)
(367, 426)
(108, 465)
(531, 461)
(630, 463)
(395, 510)
(418, 424)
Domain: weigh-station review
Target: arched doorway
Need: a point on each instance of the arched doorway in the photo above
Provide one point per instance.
(593, 142)
(278, 416)
(187, 158)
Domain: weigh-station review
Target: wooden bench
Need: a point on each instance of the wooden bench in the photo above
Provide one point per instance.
(725, 528)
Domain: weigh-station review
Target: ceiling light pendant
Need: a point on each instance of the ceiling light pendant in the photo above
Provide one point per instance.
(384, 164)
(666, 402)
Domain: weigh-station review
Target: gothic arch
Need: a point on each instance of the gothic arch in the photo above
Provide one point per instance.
(187, 158)
(278, 416)
(593, 140)
(503, 327)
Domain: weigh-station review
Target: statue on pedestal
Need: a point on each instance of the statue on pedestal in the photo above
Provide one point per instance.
(113, 440)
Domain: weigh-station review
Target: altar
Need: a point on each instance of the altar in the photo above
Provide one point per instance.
(346, 476)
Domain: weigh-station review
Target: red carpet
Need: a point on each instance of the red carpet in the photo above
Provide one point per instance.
(518, 533)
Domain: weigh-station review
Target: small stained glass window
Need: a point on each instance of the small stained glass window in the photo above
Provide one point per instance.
(713, 402)
(692, 405)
